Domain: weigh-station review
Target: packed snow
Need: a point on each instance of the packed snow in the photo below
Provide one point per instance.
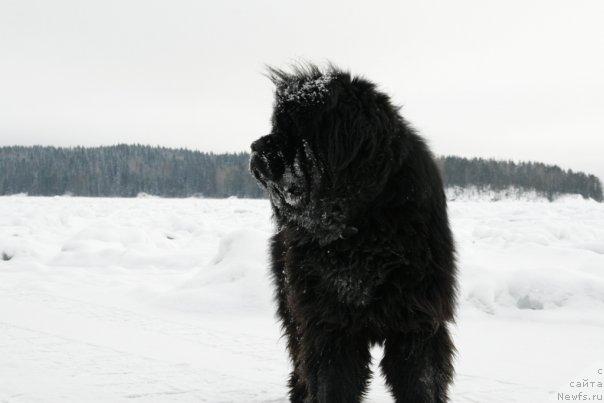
(157, 300)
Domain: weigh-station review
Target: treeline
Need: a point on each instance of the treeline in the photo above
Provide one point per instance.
(548, 180)
(127, 170)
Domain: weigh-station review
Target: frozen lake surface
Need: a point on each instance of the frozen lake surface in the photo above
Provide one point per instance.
(159, 300)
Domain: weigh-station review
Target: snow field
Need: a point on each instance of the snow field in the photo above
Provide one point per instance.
(169, 300)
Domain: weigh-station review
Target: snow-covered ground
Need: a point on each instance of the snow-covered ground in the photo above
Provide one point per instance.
(157, 300)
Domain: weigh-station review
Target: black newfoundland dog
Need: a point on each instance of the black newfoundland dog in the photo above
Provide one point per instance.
(363, 252)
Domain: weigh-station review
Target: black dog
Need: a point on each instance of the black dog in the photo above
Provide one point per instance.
(363, 253)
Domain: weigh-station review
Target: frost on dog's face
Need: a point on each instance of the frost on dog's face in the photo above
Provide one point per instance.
(325, 157)
(290, 174)
(284, 161)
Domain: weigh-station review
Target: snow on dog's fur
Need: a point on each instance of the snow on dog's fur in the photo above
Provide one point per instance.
(363, 253)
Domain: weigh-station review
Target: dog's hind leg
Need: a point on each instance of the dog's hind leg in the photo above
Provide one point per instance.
(418, 365)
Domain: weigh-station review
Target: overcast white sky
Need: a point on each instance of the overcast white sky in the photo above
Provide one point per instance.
(507, 79)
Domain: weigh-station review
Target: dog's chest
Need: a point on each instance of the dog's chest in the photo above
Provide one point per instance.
(346, 275)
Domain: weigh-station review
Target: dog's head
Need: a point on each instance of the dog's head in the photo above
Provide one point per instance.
(333, 145)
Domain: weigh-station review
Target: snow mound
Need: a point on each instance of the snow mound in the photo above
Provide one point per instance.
(548, 289)
(112, 244)
(235, 280)
(531, 256)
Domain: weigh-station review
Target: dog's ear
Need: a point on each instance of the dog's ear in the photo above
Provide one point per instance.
(349, 130)
(359, 135)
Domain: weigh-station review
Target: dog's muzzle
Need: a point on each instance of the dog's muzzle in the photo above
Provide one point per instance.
(259, 167)
(266, 162)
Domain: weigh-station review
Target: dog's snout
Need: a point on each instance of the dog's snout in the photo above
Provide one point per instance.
(258, 166)
(265, 163)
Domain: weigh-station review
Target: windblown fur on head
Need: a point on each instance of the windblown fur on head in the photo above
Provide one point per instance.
(307, 86)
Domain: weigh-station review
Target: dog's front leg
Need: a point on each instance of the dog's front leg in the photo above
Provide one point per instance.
(418, 365)
(337, 367)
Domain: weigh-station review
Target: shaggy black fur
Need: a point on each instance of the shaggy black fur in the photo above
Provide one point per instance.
(363, 252)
